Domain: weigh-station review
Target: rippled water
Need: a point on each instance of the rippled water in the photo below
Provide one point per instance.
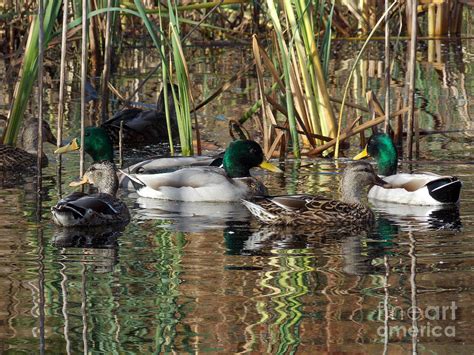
(206, 277)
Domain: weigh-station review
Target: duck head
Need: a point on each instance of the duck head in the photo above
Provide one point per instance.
(28, 138)
(96, 143)
(102, 175)
(380, 146)
(356, 178)
(242, 155)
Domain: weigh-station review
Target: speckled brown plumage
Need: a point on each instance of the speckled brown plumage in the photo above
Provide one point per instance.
(306, 209)
(23, 158)
(303, 210)
(12, 158)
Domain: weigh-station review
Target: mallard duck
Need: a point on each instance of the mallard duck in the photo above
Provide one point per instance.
(103, 208)
(140, 127)
(98, 145)
(415, 189)
(308, 209)
(230, 183)
(23, 158)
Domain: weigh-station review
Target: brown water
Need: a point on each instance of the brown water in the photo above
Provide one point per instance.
(205, 277)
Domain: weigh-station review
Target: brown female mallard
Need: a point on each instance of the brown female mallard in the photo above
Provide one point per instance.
(23, 157)
(103, 208)
(308, 209)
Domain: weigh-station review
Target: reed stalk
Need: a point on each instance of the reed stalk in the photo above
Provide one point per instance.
(411, 83)
(285, 58)
(387, 70)
(351, 73)
(62, 77)
(39, 150)
(83, 83)
(164, 75)
(106, 70)
(62, 84)
(183, 98)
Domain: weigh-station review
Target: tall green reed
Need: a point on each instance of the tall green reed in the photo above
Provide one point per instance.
(308, 107)
(29, 70)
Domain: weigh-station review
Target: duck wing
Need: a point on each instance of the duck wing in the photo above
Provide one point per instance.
(12, 158)
(124, 116)
(80, 209)
(413, 182)
(307, 209)
(169, 164)
(141, 127)
(187, 177)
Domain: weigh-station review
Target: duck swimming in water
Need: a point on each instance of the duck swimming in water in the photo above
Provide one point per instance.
(103, 208)
(140, 127)
(304, 210)
(230, 183)
(413, 189)
(23, 158)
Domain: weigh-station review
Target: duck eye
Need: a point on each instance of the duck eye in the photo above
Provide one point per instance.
(87, 134)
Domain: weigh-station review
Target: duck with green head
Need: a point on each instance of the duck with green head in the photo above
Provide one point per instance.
(99, 146)
(304, 210)
(140, 127)
(96, 143)
(415, 189)
(230, 183)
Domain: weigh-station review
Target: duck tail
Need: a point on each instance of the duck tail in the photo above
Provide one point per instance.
(445, 190)
(260, 212)
(136, 182)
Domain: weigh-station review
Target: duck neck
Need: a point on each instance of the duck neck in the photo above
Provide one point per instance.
(387, 164)
(104, 153)
(386, 156)
(29, 138)
(111, 190)
(351, 193)
(351, 196)
(235, 170)
(109, 185)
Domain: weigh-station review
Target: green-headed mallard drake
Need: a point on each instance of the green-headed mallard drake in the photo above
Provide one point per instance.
(103, 208)
(23, 158)
(140, 127)
(308, 209)
(98, 145)
(230, 183)
(415, 189)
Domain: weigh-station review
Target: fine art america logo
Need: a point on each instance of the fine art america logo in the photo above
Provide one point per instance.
(431, 321)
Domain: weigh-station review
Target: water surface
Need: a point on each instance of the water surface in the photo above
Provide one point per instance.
(206, 277)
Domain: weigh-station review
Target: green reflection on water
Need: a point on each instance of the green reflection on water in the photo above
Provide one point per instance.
(281, 311)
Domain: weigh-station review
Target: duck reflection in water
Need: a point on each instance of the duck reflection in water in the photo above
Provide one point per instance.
(98, 246)
(420, 218)
(358, 246)
(190, 216)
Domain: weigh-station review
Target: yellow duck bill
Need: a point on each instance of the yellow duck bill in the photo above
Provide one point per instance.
(270, 167)
(362, 155)
(72, 146)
